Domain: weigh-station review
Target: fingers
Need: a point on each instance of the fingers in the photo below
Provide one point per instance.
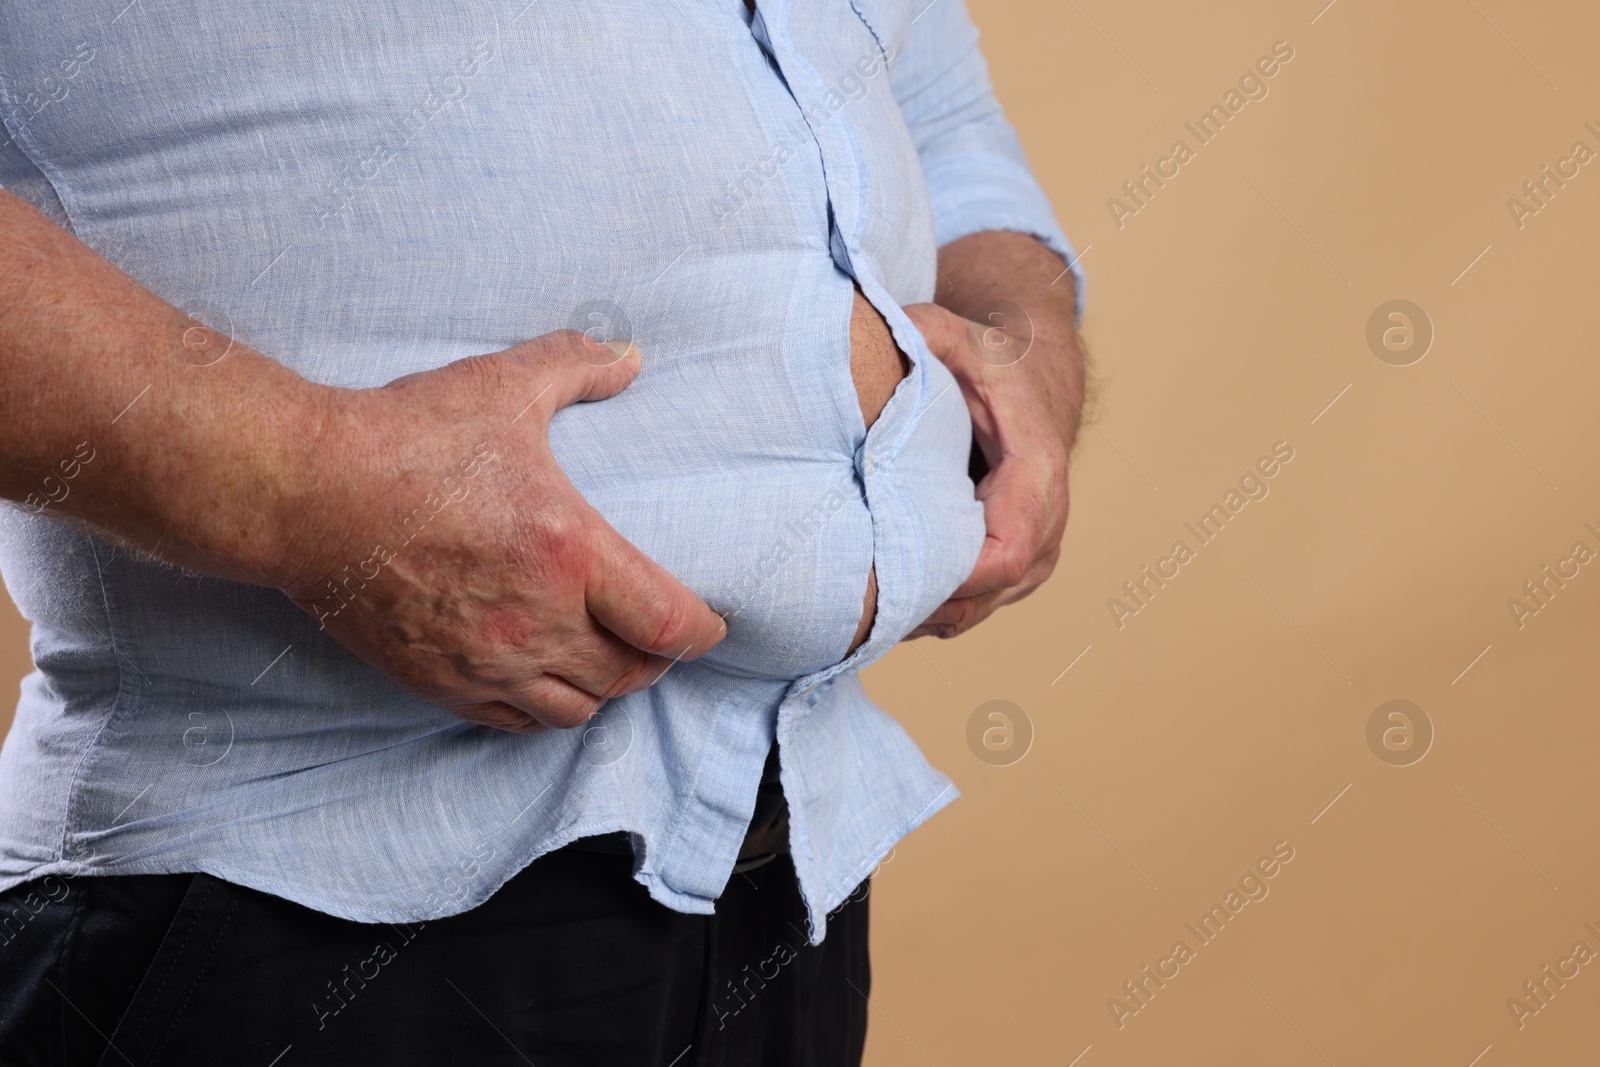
(1013, 517)
(604, 665)
(1024, 493)
(630, 595)
(956, 616)
(564, 612)
(521, 691)
(531, 706)
(635, 598)
(500, 716)
(959, 614)
(555, 702)
(944, 331)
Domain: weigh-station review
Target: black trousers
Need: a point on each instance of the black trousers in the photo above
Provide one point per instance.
(570, 963)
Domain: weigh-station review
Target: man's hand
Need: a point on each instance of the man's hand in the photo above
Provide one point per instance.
(425, 524)
(458, 558)
(1020, 368)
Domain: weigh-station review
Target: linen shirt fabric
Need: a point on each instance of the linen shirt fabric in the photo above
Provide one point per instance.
(363, 191)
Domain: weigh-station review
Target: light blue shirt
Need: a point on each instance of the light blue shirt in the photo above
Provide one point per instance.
(366, 190)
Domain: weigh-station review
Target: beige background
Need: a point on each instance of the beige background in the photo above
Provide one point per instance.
(1232, 710)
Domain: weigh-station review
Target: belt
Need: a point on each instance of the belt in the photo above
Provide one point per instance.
(765, 840)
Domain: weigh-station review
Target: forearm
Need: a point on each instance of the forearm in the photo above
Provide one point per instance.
(194, 458)
(982, 271)
(1004, 325)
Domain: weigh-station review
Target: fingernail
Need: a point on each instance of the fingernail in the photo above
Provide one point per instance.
(621, 348)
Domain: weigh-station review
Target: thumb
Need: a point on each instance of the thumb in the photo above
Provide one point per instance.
(572, 367)
(637, 599)
(944, 331)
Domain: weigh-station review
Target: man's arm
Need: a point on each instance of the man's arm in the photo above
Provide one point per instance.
(187, 464)
(518, 606)
(1026, 301)
(1004, 322)
(1008, 296)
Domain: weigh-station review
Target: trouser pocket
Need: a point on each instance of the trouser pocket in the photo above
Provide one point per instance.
(177, 969)
(73, 950)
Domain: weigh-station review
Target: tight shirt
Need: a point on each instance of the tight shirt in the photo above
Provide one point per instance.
(366, 190)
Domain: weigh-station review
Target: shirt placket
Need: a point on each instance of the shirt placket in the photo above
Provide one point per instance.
(844, 179)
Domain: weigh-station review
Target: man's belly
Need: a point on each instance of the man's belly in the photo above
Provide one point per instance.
(309, 207)
(738, 469)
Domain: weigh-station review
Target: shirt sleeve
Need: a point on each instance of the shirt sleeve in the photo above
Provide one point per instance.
(977, 174)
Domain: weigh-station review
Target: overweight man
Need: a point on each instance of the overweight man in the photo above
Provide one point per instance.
(459, 457)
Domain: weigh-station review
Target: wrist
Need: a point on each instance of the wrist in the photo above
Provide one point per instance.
(232, 468)
(305, 473)
(1023, 299)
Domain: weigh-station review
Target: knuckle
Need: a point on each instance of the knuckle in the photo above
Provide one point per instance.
(570, 348)
(557, 530)
(489, 371)
(669, 627)
(576, 712)
(1053, 455)
(500, 377)
(1058, 492)
(639, 674)
(1011, 566)
(498, 716)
